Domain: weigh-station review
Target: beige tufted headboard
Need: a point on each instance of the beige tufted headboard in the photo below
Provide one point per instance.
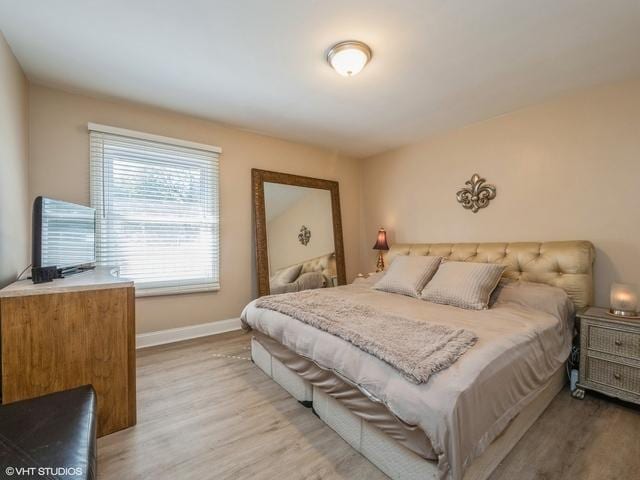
(325, 264)
(568, 265)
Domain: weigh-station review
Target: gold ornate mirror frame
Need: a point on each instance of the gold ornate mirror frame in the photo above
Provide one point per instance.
(258, 179)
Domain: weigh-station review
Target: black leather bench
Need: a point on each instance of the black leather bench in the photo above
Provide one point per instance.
(50, 437)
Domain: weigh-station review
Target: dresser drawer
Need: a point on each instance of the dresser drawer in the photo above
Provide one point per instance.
(614, 341)
(616, 375)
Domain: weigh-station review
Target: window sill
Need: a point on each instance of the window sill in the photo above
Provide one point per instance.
(178, 290)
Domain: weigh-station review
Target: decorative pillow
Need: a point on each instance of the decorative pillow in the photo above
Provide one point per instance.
(408, 274)
(285, 275)
(311, 280)
(463, 284)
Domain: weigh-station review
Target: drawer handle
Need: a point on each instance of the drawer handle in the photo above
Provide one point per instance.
(618, 343)
(617, 376)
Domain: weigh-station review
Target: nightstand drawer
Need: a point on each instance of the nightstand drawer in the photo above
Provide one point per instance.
(614, 341)
(616, 375)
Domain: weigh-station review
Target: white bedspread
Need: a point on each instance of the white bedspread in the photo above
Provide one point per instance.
(522, 340)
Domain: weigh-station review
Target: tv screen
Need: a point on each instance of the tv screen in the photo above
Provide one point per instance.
(63, 234)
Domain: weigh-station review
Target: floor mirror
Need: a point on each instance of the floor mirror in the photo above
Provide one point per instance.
(298, 233)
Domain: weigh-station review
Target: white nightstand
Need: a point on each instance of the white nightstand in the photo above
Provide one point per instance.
(609, 355)
(362, 276)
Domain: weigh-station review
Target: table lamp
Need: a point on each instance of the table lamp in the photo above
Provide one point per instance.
(382, 246)
(624, 301)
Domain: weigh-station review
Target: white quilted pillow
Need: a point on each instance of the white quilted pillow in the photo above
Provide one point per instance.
(463, 284)
(285, 275)
(408, 274)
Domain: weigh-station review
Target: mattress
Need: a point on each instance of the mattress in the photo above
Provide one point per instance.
(522, 341)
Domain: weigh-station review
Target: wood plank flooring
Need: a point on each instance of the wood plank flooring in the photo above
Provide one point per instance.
(206, 412)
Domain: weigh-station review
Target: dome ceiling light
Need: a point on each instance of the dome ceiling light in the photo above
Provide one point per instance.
(349, 58)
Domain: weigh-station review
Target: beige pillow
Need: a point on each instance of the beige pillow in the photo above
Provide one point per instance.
(408, 274)
(463, 284)
(285, 275)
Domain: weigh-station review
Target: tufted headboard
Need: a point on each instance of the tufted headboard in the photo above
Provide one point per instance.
(568, 265)
(325, 264)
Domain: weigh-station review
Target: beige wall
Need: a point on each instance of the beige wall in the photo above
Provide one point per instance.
(567, 169)
(314, 211)
(60, 169)
(15, 212)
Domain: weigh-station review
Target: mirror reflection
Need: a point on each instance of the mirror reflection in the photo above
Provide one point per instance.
(300, 238)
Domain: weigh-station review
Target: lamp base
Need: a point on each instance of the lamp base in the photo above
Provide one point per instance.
(623, 313)
(380, 264)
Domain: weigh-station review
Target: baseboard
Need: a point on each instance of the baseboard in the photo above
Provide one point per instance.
(161, 337)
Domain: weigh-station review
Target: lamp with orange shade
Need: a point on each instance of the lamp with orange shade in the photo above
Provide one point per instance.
(382, 246)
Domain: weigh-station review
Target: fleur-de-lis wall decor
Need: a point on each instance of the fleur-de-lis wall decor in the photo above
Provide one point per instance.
(304, 236)
(476, 194)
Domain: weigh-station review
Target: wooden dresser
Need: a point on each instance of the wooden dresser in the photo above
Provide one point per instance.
(70, 332)
(609, 355)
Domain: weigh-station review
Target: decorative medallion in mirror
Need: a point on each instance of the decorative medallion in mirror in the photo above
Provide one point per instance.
(288, 261)
(304, 236)
(476, 194)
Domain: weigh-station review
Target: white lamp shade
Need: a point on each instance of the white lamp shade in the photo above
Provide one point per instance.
(349, 58)
(624, 299)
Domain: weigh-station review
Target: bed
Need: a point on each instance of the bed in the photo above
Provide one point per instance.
(465, 419)
(318, 272)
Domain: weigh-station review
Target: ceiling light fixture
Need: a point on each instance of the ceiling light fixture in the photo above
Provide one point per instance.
(349, 58)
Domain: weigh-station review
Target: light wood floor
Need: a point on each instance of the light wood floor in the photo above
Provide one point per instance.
(206, 412)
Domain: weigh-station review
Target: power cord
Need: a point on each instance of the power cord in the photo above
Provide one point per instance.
(23, 272)
(572, 366)
(574, 357)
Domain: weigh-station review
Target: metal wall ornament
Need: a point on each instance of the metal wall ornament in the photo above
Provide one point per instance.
(476, 194)
(304, 236)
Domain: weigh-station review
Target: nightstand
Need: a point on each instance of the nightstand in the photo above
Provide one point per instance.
(609, 355)
(362, 276)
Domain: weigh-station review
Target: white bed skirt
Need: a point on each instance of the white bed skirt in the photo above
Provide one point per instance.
(298, 388)
(393, 459)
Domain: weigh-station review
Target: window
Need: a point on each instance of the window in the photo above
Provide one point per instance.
(156, 202)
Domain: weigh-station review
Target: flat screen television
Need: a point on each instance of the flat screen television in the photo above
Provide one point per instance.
(63, 235)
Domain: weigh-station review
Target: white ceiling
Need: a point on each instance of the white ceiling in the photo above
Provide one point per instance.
(259, 64)
(279, 197)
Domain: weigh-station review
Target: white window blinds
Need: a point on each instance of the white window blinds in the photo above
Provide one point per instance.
(156, 202)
